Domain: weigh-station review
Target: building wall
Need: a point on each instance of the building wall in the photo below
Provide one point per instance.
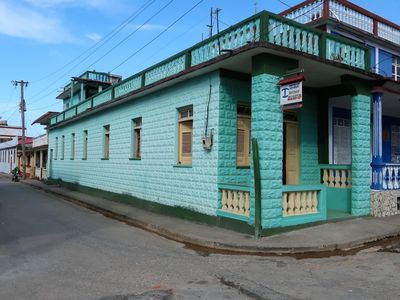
(155, 177)
(309, 168)
(7, 160)
(8, 152)
(232, 92)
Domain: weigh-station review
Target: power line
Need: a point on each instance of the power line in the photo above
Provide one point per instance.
(280, 1)
(45, 107)
(132, 33)
(102, 41)
(12, 114)
(142, 9)
(169, 43)
(161, 33)
(9, 99)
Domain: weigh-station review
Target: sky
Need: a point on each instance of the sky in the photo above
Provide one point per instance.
(46, 42)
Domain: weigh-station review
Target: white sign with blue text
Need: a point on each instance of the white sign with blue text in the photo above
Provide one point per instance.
(292, 93)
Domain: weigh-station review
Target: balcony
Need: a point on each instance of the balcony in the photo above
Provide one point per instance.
(263, 28)
(347, 13)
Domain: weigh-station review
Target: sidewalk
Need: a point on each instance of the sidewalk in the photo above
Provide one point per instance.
(326, 239)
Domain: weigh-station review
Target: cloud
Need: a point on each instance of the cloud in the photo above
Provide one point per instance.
(18, 21)
(94, 36)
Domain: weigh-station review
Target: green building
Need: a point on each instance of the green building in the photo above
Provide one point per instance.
(180, 136)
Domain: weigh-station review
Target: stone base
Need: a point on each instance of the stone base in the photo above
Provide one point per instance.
(384, 203)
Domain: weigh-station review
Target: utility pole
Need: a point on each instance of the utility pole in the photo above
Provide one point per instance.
(216, 12)
(22, 107)
(211, 23)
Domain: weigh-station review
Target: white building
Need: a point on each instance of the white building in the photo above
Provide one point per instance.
(8, 155)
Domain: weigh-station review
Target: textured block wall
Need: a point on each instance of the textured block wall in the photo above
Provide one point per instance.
(155, 177)
(360, 118)
(266, 126)
(232, 92)
(309, 169)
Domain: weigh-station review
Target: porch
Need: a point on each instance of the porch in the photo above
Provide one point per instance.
(299, 183)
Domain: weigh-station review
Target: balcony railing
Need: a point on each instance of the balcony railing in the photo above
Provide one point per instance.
(264, 27)
(98, 76)
(310, 11)
(346, 13)
(386, 177)
(303, 203)
(336, 176)
(235, 201)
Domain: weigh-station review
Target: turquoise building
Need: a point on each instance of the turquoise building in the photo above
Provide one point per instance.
(204, 133)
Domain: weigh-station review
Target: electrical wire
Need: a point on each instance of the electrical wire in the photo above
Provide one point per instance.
(45, 107)
(81, 61)
(156, 37)
(132, 33)
(102, 41)
(9, 99)
(172, 41)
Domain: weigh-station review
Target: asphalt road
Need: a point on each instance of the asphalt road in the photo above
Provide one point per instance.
(52, 249)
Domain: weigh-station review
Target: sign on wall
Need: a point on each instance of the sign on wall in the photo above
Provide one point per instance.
(291, 90)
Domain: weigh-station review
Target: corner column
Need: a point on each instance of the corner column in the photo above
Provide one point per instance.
(267, 128)
(360, 145)
(376, 164)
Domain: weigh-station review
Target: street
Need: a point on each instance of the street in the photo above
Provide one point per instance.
(52, 249)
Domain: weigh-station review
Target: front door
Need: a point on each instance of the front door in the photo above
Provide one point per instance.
(292, 152)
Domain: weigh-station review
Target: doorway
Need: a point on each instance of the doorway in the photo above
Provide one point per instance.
(290, 149)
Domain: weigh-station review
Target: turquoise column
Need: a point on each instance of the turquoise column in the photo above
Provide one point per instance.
(267, 128)
(361, 122)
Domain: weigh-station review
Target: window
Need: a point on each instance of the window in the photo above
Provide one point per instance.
(243, 136)
(136, 138)
(62, 146)
(106, 142)
(396, 68)
(72, 145)
(56, 156)
(185, 136)
(85, 144)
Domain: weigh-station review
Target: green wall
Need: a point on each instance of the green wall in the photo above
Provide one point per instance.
(232, 92)
(309, 169)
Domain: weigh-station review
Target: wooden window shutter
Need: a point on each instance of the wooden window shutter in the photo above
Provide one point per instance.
(243, 141)
(185, 142)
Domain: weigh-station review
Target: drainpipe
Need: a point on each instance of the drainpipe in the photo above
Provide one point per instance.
(257, 190)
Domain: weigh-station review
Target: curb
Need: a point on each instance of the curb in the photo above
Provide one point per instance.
(208, 246)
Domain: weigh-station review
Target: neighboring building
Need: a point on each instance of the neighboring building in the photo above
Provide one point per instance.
(8, 143)
(8, 154)
(11, 155)
(179, 133)
(343, 18)
(40, 148)
(85, 86)
(7, 133)
(382, 37)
